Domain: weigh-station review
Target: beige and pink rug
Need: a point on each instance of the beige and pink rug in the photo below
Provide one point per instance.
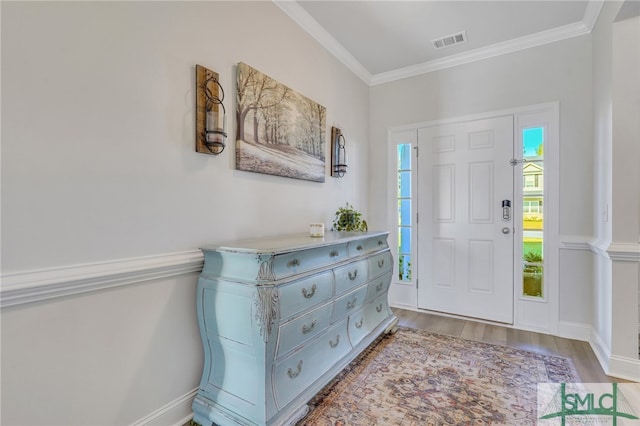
(415, 377)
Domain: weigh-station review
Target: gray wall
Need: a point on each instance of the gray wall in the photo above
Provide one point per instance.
(98, 129)
(99, 167)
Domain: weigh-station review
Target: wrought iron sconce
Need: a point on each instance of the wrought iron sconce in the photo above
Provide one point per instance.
(338, 153)
(211, 117)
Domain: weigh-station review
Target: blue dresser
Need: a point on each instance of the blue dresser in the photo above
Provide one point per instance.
(280, 317)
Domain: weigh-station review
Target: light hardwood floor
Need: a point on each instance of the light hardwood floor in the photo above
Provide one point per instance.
(579, 352)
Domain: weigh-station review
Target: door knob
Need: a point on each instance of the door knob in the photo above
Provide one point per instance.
(506, 230)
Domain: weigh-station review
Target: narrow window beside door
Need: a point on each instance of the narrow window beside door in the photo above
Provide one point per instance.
(404, 212)
(532, 212)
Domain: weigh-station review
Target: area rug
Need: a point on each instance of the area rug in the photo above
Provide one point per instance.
(414, 377)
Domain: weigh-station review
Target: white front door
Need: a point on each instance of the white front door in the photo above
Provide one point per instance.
(465, 245)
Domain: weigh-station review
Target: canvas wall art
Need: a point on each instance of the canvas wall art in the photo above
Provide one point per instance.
(279, 131)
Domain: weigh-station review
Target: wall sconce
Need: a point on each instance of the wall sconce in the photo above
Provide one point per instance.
(211, 117)
(338, 153)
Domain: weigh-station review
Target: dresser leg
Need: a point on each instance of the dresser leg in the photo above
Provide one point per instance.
(393, 327)
(297, 416)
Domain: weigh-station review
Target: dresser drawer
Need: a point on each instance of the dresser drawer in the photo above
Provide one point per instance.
(350, 276)
(364, 322)
(298, 331)
(368, 245)
(380, 264)
(378, 286)
(295, 373)
(302, 295)
(349, 303)
(287, 264)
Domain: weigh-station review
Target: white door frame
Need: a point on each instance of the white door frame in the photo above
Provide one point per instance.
(529, 314)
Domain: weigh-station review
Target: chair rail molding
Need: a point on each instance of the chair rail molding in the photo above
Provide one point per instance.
(624, 252)
(43, 284)
(575, 242)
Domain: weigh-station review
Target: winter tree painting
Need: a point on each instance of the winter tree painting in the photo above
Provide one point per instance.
(279, 131)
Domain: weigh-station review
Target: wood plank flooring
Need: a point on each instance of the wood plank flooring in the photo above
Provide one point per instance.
(579, 352)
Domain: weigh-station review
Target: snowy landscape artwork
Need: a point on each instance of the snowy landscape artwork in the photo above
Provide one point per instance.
(279, 131)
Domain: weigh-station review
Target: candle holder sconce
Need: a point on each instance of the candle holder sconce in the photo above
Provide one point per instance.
(211, 118)
(338, 153)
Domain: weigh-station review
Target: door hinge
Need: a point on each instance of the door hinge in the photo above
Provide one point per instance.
(416, 148)
(515, 161)
(417, 217)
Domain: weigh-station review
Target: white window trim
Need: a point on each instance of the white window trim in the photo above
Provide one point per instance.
(402, 293)
(540, 313)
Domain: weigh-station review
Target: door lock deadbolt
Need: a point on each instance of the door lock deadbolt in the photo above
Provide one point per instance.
(506, 210)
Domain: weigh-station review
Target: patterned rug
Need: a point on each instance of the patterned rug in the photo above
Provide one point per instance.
(415, 377)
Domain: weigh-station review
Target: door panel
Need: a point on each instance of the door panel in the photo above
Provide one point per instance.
(465, 248)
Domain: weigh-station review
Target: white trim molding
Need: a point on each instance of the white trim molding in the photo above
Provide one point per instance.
(575, 242)
(592, 12)
(301, 17)
(172, 413)
(601, 350)
(33, 286)
(624, 368)
(599, 247)
(498, 49)
(614, 365)
(624, 252)
(575, 331)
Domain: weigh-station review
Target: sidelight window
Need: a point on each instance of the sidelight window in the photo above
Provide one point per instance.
(532, 212)
(405, 200)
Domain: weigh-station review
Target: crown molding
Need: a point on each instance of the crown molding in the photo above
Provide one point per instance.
(498, 49)
(43, 284)
(292, 9)
(592, 12)
(315, 30)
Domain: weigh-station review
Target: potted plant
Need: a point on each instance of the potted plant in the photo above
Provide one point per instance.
(349, 219)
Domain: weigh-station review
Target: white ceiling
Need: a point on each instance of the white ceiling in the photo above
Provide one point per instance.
(383, 41)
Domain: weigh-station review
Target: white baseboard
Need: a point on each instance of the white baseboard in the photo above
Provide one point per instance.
(406, 306)
(176, 413)
(625, 368)
(601, 350)
(575, 331)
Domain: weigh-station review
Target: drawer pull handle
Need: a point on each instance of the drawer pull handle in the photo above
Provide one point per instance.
(294, 262)
(359, 323)
(309, 294)
(294, 374)
(380, 243)
(379, 286)
(334, 344)
(359, 248)
(379, 308)
(352, 304)
(306, 329)
(334, 253)
(380, 263)
(353, 275)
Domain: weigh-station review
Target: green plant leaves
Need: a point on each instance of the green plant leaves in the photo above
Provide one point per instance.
(349, 219)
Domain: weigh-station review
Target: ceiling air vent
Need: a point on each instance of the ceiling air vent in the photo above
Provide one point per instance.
(450, 40)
